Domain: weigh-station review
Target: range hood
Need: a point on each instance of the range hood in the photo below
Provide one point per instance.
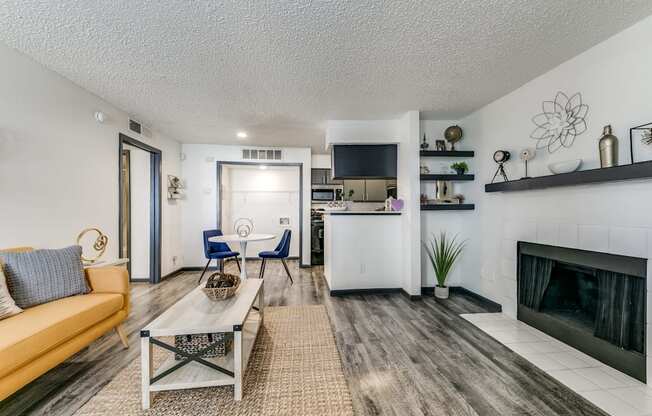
(364, 161)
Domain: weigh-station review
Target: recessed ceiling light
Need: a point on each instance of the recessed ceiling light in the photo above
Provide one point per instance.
(242, 135)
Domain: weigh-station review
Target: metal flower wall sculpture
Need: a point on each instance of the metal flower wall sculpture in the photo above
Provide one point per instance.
(560, 122)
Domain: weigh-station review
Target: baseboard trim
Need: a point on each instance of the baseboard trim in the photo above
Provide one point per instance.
(374, 291)
(488, 303)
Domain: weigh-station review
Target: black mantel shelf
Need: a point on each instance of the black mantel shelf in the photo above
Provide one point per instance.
(447, 177)
(446, 153)
(639, 170)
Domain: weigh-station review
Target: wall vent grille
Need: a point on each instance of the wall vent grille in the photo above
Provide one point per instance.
(135, 126)
(262, 154)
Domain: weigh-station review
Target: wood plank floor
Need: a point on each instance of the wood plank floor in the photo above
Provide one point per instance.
(401, 357)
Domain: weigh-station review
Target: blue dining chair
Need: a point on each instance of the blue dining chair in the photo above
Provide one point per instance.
(217, 251)
(281, 252)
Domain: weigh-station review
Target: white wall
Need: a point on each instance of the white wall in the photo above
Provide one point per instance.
(321, 161)
(200, 205)
(463, 224)
(140, 202)
(614, 79)
(264, 196)
(59, 167)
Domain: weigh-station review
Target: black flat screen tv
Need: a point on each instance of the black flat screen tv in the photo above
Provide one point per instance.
(364, 161)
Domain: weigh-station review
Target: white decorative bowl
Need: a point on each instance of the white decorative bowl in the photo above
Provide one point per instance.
(566, 166)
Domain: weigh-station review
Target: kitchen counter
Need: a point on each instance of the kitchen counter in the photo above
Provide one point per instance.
(362, 212)
(362, 250)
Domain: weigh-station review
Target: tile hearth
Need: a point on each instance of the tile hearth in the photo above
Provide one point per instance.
(614, 392)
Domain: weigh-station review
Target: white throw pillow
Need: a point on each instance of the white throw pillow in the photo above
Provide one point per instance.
(7, 305)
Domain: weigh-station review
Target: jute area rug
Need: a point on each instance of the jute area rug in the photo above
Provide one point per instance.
(294, 369)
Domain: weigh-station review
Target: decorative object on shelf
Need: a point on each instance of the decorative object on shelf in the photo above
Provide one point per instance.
(424, 170)
(453, 134)
(526, 155)
(560, 122)
(424, 199)
(608, 146)
(388, 203)
(566, 166)
(243, 226)
(424, 143)
(221, 286)
(440, 145)
(443, 253)
(396, 204)
(443, 191)
(642, 146)
(500, 157)
(460, 198)
(101, 241)
(460, 167)
(174, 187)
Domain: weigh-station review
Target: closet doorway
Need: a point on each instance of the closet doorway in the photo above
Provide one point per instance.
(140, 209)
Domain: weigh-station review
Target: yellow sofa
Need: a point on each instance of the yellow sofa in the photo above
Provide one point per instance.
(41, 337)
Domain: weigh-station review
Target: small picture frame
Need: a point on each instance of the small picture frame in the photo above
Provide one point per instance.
(440, 145)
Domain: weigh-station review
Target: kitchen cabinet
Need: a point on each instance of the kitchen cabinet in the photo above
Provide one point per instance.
(323, 177)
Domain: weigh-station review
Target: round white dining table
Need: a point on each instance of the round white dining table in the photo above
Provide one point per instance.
(235, 238)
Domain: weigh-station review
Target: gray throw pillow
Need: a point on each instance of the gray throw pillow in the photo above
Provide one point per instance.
(42, 276)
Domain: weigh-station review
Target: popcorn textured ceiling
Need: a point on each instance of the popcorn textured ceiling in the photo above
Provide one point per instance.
(200, 70)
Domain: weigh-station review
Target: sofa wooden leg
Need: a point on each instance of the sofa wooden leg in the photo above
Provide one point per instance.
(123, 336)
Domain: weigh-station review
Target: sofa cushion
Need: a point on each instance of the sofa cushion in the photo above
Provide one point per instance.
(37, 330)
(7, 305)
(41, 276)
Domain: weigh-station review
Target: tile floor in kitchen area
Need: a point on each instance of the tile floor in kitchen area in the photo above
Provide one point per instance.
(614, 392)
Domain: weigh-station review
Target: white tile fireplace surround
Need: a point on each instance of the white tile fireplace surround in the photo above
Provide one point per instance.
(609, 389)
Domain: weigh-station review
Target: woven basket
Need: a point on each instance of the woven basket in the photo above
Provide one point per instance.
(221, 286)
(192, 344)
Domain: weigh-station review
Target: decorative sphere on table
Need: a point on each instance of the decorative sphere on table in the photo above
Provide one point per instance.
(453, 134)
(243, 227)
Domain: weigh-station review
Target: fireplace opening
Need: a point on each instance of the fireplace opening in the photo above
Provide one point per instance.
(572, 295)
(595, 302)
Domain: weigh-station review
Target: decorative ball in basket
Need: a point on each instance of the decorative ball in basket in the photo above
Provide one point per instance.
(221, 286)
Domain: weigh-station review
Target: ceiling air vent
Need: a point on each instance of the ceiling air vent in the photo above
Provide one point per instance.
(261, 154)
(135, 126)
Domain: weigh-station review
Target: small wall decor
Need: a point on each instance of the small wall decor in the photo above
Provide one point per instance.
(243, 226)
(174, 187)
(440, 145)
(640, 142)
(284, 221)
(453, 134)
(608, 147)
(560, 122)
(101, 241)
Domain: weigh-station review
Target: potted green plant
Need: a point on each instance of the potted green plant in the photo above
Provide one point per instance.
(443, 253)
(460, 167)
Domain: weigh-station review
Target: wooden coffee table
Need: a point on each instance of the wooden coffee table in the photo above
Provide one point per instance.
(195, 313)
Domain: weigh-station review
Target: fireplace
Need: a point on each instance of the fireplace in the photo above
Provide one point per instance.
(594, 302)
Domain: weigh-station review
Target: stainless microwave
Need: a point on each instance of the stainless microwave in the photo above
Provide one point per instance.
(326, 194)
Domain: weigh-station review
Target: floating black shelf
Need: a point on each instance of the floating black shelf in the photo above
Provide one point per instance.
(447, 207)
(447, 177)
(639, 170)
(446, 153)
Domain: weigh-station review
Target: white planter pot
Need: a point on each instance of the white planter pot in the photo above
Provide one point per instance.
(441, 292)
